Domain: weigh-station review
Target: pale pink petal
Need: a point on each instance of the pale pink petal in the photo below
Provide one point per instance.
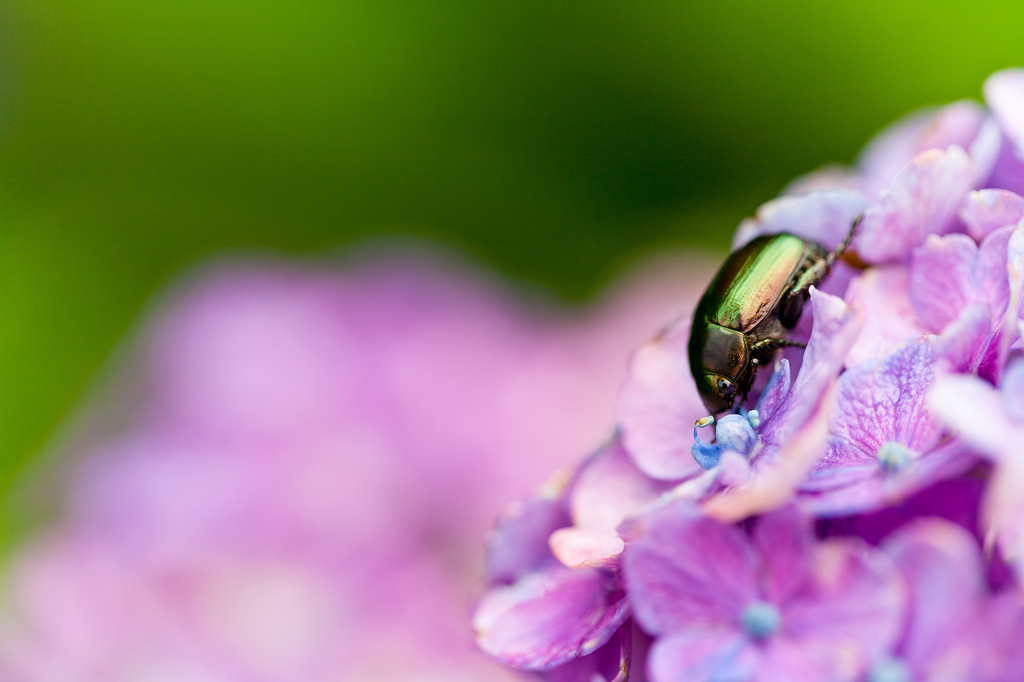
(1004, 93)
(583, 547)
(659, 404)
(885, 292)
(989, 209)
(923, 200)
(941, 279)
(824, 217)
(549, 617)
(973, 407)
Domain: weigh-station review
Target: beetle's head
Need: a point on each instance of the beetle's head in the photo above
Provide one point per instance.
(724, 366)
(718, 393)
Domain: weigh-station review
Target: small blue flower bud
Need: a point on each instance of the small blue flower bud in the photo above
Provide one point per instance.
(735, 433)
(894, 457)
(761, 620)
(754, 418)
(890, 670)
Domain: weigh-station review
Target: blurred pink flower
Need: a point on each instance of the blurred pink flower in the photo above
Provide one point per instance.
(302, 489)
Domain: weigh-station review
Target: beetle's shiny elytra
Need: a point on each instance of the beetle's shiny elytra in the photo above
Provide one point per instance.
(749, 308)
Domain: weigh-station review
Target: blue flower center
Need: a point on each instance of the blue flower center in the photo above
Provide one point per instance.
(890, 670)
(894, 457)
(761, 620)
(732, 432)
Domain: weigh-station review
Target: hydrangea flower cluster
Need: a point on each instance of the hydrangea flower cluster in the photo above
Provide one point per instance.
(864, 520)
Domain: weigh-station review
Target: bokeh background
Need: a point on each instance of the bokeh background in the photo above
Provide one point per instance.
(554, 142)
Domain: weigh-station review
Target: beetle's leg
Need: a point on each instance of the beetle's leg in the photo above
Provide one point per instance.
(772, 344)
(819, 271)
(845, 244)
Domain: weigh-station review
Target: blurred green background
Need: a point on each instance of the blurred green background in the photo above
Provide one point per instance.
(554, 141)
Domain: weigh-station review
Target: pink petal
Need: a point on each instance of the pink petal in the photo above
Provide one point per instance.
(941, 279)
(684, 570)
(609, 488)
(658, 406)
(784, 541)
(885, 292)
(549, 617)
(923, 200)
(942, 564)
(850, 613)
(824, 217)
(989, 209)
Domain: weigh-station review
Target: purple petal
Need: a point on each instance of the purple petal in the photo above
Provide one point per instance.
(989, 209)
(851, 611)
(549, 617)
(955, 500)
(658, 406)
(1004, 93)
(784, 541)
(519, 542)
(703, 655)
(941, 279)
(684, 570)
(923, 200)
(776, 392)
(605, 663)
(885, 292)
(884, 400)
(824, 217)
(1003, 655)
(942, 564)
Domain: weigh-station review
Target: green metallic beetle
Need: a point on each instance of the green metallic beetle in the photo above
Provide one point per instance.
(748, 310)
